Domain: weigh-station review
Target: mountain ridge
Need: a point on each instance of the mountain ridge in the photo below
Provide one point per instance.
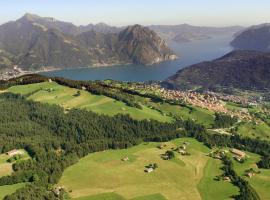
(37, 42)
(253, 38)
(241, 69)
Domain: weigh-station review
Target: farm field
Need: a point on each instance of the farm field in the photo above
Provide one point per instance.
(104, 175)
(53, 93)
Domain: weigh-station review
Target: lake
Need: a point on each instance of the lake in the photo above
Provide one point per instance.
(188, 53)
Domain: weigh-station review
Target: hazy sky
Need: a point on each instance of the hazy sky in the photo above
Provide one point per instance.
(123, 12)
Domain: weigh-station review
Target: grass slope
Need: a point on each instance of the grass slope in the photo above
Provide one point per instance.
(104, 173)
(219, 189)
(54, 93)
(9, 189)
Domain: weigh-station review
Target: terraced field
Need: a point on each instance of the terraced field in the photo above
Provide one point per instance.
(66, 97)
(104, 175)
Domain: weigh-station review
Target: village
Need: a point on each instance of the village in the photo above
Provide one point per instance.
(210, 100)
(14, 72)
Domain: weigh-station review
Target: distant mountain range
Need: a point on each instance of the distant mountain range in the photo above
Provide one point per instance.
(253, 38)
(188, 33)
(34, 42)
(239, 69)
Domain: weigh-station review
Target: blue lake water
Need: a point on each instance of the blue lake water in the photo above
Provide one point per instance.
(188, 53)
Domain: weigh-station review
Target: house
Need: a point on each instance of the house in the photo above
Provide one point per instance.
(149, 170)
(125, 159)
(15, 152)
(226, 178)
(83, 88)
(250, 174)
(182, 152)
(238, 153)
(50, 80)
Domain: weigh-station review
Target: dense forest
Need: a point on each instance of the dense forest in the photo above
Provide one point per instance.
(55, 139)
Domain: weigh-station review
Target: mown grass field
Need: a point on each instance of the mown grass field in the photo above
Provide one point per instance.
(54, 93)
(103, 175)
(9, 189)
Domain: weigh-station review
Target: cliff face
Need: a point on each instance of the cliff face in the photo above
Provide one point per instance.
(37, 42)
(238, 69)
(254, 38)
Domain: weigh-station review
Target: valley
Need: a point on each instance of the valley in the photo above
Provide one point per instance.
(115, 173)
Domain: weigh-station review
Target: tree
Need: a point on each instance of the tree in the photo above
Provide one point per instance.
(170, 154)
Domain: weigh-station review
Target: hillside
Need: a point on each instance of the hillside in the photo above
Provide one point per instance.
(238, 69)
(253, 38)
(76, 137)
(36, 43)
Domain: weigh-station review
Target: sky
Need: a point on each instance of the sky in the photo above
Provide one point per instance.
(145, 12)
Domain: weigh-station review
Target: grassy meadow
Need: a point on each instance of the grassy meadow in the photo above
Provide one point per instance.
(103, 175)
(66, 97)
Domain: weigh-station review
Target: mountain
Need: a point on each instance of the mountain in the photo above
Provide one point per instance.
(101, 28)
(36, 42)
(188, 33)
(253, 38)
(142, 45)
(239, 69)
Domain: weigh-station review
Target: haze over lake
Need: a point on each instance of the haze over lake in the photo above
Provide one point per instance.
(188, 53)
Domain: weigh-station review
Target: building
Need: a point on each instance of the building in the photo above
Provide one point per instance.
(15, 152)
(125, 159)
(238, 153)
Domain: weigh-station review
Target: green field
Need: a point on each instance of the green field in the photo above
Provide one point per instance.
(103, 175)
(221, 189)
(260, 182)
(9, 189)
(54, 93)
(200, 115)
(261, 130)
